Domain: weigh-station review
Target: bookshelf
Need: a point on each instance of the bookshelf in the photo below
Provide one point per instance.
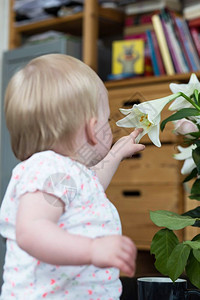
(93, 22)
(127, 192)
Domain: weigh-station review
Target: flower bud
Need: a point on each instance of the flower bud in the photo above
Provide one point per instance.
(184, 127)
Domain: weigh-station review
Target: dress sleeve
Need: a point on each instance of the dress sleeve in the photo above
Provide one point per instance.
(49, 176)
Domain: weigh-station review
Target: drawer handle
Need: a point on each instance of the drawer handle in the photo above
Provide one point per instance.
(134, 193)
(131, 102)
(135, 156)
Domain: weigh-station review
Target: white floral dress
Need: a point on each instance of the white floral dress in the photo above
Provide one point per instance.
(88, 212)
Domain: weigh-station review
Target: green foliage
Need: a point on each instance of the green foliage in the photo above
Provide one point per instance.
(196, 158)
(173, 257)
(193, 270)
(178, 260)
(171, 220)
(194, 213)
(182, 113)
(192, 175)
(162, 245)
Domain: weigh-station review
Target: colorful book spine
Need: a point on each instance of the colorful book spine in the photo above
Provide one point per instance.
(180, 39)
(196, 38)
(194, 23)
(163, 45)
(173, 43)
(158, 54)
(188, 44)
(171, 46)
(152, 53)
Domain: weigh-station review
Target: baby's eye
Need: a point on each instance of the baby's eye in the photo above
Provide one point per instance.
(109, 119)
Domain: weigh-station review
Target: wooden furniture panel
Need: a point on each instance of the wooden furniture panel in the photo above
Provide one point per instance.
(152, 166)
(134, 204)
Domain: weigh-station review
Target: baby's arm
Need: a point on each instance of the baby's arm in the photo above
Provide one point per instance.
(123, 148)
(38, 234)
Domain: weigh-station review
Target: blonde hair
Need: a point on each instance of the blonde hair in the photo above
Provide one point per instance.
(47, 101)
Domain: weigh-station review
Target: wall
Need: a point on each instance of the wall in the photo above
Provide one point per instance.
(4, 33)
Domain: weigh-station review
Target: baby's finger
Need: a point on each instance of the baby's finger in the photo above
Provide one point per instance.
(136, 132)
(125, 267)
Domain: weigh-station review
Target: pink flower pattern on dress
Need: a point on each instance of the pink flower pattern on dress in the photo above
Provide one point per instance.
(88, 212)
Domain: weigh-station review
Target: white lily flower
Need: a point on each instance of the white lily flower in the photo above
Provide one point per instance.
(187, 89)
(186, 154)
(147, 116)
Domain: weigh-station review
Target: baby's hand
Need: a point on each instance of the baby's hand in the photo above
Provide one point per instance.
(114, 251)
(126, 146)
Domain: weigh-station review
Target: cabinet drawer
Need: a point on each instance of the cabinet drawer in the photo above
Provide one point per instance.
(134, 204)
(126, 97)
(152, 166)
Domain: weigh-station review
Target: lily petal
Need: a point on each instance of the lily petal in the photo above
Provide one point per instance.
(154, 107)
(188, 166)
(187, 89)
(185, 152)
(128, 121)
(154, 136)
(125, 111)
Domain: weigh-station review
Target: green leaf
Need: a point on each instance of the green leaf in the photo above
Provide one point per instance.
(194, 213)
(182, 113)
(192, 175)
(195, 187)
(196, 254)
(196, 96)
(178, 260)
(170, 220)
(195, 197)
(196, 157)
(193, 244)
(195, 134)
(162, 245)
(197, 142)
(193, 270)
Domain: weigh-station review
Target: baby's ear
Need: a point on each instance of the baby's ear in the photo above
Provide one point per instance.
(91, 131)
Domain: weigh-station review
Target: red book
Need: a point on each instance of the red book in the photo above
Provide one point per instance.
(194, 22)
(196, 38)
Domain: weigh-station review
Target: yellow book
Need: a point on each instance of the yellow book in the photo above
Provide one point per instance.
(128, 57)
(169, 67)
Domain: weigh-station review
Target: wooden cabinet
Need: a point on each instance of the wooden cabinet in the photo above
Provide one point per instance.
(150, 180)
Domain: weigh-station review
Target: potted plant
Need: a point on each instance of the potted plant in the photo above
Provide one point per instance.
(173, 257)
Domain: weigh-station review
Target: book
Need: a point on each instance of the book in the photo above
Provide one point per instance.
(152, 53)
(139, 19)
(128, 30)
(196, 38)
(167, 60)
(148, 67)
(173, 43)
(128, 56)
(187, 43)
(194, 23)
(191, 10)
(158, 54)
(150, 5)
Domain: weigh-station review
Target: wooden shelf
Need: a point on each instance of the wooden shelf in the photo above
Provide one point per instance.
(110, 21)
(149, 80)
